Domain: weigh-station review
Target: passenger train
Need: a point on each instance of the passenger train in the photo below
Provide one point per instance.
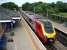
(43, 28)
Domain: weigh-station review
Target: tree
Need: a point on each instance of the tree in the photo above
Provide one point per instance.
(43, 8)
(10, 5)
(27, 6)
(60, 6)
(65, 7)
(52, 4)
(38, 9)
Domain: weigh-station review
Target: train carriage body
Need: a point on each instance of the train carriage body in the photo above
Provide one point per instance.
(42, 27)
(45, 31)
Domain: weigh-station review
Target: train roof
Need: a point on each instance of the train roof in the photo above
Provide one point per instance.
(44, 20)
(37, 17)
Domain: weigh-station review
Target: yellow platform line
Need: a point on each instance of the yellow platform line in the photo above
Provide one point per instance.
(34, 48)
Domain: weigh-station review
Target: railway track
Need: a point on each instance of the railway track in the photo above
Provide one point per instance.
(62, 37)
(60, 43)
(56, 46)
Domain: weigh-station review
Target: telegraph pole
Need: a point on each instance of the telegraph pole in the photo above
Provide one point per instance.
(34, 11)
(47, 14)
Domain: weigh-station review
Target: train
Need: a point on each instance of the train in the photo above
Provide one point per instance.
(43, 27)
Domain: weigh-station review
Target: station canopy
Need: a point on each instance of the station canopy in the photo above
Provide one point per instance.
(7, 15)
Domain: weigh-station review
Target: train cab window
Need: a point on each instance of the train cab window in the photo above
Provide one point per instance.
(48, 27)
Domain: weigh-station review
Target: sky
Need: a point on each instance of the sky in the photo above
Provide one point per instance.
(20, 2)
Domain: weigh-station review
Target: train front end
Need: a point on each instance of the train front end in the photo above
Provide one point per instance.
(48, 32)
(45, 31)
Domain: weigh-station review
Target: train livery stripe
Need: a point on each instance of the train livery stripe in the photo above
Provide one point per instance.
(43, 29)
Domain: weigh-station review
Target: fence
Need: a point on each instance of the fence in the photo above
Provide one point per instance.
(58, 18)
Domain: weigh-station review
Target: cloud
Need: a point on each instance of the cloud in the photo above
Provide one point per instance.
(49, 1)
(31, 1)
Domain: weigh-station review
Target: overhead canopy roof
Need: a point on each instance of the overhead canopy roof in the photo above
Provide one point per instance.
(2, 21)
(6, 14)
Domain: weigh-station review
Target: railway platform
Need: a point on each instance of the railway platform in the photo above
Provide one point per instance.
(60, 27)
(25, 39)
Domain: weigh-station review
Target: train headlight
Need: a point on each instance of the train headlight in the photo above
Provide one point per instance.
(51, 40)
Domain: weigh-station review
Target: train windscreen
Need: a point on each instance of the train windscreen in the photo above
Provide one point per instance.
(48, 27)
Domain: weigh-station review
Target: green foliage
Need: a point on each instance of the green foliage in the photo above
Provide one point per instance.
(64, 14)
(52, 9)
(40, 7)
(27, 6)
(10, 5)
(61, 6)
(43, 8)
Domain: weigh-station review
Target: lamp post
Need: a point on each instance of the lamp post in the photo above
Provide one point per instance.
(34, 11)
(47, 13)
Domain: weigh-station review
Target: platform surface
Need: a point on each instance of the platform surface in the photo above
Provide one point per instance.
(60, 27)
